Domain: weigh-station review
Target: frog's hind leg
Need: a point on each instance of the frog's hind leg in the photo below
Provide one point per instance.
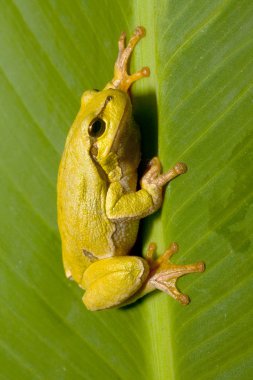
(164, 273)
(110, 282)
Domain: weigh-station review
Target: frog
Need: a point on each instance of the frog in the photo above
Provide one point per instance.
(101, 201)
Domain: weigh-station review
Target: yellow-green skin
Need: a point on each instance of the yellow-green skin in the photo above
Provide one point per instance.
(98, 206)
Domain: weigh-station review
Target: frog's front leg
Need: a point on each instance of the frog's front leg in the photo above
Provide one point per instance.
(153, 181)
(137, 205)
(111, 282)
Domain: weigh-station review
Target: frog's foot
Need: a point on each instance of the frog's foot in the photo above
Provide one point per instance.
(176, 170)
(164, 274)
(153, 174)
(122, 80)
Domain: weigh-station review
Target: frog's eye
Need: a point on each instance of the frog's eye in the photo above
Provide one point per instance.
(96, 127)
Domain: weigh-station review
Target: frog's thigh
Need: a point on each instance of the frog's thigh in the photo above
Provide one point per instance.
(110, 282)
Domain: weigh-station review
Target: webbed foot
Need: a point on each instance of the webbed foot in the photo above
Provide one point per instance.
(164, 274)
(154, 176)
(121, 79)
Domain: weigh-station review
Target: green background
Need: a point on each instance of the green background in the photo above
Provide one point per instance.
(196, 107)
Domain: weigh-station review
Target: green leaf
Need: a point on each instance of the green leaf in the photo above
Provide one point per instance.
(196, 107)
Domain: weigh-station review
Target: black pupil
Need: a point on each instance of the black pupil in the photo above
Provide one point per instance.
(97, 128)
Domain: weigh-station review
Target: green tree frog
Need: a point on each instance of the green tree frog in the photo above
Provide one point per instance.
(99, 206)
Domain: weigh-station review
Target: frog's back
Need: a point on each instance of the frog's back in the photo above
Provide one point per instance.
(85, 230)
(103, 140)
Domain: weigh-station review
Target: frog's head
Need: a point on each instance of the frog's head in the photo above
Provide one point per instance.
(108, 128)
(107, 114)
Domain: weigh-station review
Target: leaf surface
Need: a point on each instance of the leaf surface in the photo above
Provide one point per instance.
(196, 107)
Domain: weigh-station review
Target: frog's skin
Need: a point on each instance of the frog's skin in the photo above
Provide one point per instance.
(99, 208)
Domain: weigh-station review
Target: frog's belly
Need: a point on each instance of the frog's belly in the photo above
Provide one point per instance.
(124, 236)
(95, 234)
(86, 234)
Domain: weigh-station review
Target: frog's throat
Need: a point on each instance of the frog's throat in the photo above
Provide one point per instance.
(122, 80)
